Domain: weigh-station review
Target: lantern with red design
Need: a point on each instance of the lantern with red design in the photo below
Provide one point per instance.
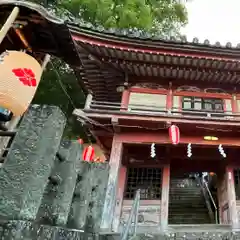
(88, 154)
(20, 75)
(174, 134)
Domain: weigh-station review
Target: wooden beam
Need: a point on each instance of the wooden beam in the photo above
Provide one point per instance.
(8, 24)
(148, 138)
(111, 192)
(165, 65)
(158, 118)
(102, 133)
(182, 82)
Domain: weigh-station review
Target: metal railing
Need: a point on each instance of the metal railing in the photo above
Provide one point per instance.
(117, 108)
(208, 196)
(212, 200)
(132, 219)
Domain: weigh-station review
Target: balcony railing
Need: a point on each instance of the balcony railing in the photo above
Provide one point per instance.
(140, 109)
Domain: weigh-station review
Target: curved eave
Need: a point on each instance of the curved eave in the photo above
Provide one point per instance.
(33, 6)
(44, 32)
(83, 34)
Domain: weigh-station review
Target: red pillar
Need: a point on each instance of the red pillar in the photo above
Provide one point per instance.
(231, 197)
(125, 99)
(119, 201)
(165, 196)
(110, 199)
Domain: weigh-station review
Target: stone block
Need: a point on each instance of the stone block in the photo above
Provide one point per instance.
(58, 195)
(99, 186)
(28, 165)
(81, 197)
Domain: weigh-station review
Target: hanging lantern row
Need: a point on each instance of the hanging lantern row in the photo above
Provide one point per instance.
(174, 134)
(88, 155)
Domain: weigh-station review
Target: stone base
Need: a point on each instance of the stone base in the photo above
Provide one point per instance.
(23, 230)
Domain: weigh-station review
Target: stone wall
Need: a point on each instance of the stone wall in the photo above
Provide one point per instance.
(45, 183)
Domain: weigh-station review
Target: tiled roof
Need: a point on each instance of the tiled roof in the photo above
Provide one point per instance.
(131, 33)
(134, 33)
(51, 35)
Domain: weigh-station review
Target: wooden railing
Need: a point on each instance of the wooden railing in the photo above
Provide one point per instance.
(140, 109)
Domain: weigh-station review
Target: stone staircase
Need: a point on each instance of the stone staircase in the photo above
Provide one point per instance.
(186, 202)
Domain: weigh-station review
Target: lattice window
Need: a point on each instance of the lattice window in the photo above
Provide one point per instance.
(237, 183)
(202, 104)
(148, 180)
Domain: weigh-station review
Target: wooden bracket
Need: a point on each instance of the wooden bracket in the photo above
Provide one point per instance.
(115, 124)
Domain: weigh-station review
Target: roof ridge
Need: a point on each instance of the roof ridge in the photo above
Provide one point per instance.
(134, 33)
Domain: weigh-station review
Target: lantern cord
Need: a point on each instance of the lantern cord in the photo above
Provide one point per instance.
(70, 99)
(95, 123)
(61, 84)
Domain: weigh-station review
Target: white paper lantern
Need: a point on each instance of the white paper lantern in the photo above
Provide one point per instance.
(20, 74)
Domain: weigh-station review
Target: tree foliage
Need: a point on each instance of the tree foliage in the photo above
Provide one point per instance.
(164, 17)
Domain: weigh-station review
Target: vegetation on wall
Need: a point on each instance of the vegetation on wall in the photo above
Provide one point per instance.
(162, 17)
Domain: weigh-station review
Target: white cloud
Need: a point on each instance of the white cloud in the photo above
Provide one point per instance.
(216, 20)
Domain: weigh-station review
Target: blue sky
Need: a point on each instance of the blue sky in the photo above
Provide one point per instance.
(216, 20)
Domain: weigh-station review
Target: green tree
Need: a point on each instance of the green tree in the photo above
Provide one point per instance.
(164, 17)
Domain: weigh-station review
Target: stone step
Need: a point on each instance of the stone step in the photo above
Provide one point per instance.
(179, 186)
(187, 194)
(181, 190)
(197, 189)
(188, 221)
(199, 228)
(183, 199)
(188, 214)
(181, 217)
(190, 209)
(185, 189)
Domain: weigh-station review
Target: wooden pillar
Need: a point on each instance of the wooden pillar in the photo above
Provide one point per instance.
(169, 102)
(231, 197)
(8, 24)
(119, 200)
(125, 99)
(110, 199)
(234, 104)
(165, 196)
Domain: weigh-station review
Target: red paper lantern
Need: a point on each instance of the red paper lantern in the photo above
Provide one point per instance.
(174, 134)
(88, 154)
